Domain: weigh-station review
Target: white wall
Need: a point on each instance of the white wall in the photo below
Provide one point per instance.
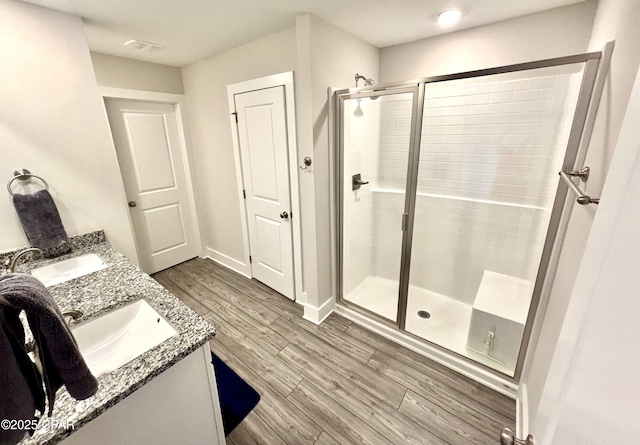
(321, 56)
(53, 123)
(592, 394)
(554, 33)
(205, 85)
(327, 56)
(119, 72)
(619, 20)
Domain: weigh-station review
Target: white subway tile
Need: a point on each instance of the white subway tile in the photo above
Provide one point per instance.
(533, 128)
(488, 108)
(539, 105)
(402, 123)
(445, 101)
(521, 117)
(515, 85)
(513, 107)
(549, 116)
(490, 88)
(451, 120)
(500, 97)
(551, 93)
(402, 113)
(478, 119)
(477, 99)
(403, 105)
(543, 82)
(460, 110)
(527, 95)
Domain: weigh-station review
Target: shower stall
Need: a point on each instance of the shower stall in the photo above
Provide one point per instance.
(448, 200)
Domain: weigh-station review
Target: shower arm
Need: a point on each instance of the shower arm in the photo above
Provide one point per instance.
(367, 82)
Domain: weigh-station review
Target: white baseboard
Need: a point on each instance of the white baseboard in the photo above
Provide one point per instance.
(493, 381)
(317, 315)
(227, 261)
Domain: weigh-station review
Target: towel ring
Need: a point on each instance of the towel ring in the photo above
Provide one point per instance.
(23, 174)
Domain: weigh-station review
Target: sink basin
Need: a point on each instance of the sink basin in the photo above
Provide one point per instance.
(66, 270)
(118, 337)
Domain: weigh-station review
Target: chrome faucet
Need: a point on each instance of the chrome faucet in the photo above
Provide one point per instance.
(74, 314)
(14, 261)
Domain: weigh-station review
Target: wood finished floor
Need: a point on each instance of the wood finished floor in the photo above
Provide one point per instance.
(336, 383)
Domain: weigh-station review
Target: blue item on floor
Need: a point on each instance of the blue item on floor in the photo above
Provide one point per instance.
(237, 397)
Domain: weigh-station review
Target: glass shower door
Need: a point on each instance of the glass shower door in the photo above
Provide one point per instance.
(490, 153)
(376, 135)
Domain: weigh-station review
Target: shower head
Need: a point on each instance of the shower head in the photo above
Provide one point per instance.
(367, 81)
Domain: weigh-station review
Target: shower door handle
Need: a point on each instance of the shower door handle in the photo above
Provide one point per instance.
(356, 182)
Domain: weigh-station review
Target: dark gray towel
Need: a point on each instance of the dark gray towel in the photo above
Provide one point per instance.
(20, 380)
(40, 219)
(62, 363)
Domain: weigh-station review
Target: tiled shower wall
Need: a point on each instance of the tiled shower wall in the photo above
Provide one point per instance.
(361, 148)
(489, 160)
(490, 153)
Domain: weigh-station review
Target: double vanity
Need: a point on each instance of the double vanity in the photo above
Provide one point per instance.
(148, 350)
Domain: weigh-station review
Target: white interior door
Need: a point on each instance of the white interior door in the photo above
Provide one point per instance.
(262, 134)
(148, 144)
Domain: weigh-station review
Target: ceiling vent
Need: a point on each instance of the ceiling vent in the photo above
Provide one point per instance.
(141, 45)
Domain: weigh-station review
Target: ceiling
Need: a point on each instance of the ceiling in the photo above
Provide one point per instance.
(192, 30)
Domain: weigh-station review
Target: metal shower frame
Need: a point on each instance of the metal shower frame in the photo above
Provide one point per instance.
(595, 69)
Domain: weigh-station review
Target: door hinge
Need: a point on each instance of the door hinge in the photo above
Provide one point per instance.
(244, 194)
(250, 260)
(405, 218)
(235, 114)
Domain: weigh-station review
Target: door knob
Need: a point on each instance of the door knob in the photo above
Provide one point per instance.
(284, 215)
(507, 437)
(132, 204)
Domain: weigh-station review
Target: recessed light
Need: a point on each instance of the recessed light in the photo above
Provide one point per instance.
(449, 17)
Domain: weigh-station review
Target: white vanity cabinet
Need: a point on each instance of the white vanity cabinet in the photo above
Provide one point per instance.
(180, 406)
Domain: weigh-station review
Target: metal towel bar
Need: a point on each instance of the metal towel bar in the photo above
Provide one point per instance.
(582, 197)
(23, 174)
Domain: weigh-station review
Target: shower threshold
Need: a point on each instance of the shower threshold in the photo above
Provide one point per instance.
(447, 326)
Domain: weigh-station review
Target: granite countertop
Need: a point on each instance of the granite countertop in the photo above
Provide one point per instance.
(96, 294)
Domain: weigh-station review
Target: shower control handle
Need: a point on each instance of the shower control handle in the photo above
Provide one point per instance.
(357, 182)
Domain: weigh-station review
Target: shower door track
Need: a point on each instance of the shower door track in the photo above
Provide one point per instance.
(588, 99)
(545, 63)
